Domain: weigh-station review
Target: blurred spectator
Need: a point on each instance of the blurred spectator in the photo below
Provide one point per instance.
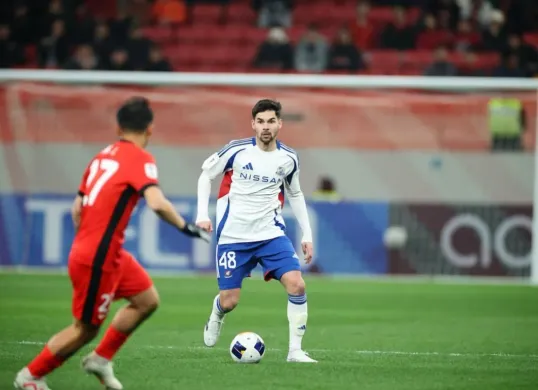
(494, 38)
(343, 54)
(138, 47)
(526, 54)
(119, 60)
(326, 191)
(440, 66)
(84, 25)
(275, 52)
(83, 59)
(398, 35)
(11, 53)
(431, 36)
(140, 10)
(120, 27)
(466, 39)
(273, 13)
(521, 15)
(448, 9)
(170, 12)
(22, 30)
(476, 10)
(103, 43)
(311, 53)
(363, 30)
(55, 12)
(507, 122)
(510, 67)
(157, 63)
(471, 67)
(53, 50)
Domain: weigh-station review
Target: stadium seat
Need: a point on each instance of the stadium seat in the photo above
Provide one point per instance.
(158, 34)
(385, 61)
(237, 33)
(194, 34)
(531, 39)
(240, 13)
(207, 13)
(30, 53)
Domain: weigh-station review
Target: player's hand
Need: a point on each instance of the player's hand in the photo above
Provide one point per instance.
(308, 251)
(194, 231)
(206, 225)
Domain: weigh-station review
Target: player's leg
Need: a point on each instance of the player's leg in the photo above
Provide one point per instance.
(57, 350)
(233, 263)
(294, 284)
(223, 303)
(137, 288)
(280, 262)
(89, 312)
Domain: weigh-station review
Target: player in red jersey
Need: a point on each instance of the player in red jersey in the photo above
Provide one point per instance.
(99, 268)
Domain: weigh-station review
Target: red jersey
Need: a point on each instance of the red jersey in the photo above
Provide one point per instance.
(111, 186)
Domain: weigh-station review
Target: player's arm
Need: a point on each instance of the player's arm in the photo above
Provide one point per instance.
(203, 195)
(156, 201)
(144, 179)
(76, 209)
(298, 205)
(212, 167)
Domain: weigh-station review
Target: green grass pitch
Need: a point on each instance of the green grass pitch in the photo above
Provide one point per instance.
(366, 335)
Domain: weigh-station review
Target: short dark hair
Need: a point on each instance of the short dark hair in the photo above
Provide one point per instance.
(135, 115)
(267, 105)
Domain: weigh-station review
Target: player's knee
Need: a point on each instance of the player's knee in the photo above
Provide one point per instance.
(86, 332)
(146, 302)
(153, 306)
(229, 300)
(296, 286)
(150, 305)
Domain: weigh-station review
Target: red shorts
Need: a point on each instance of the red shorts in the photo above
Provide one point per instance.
(95, 289)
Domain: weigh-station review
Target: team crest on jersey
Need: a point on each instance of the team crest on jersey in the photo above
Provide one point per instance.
(280, 172)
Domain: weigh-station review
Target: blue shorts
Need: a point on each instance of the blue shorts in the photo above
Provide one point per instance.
(235, 261)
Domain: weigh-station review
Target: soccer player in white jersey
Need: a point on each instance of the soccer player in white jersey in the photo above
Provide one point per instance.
(250, 228)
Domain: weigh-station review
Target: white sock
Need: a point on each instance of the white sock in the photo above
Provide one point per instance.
(218, 312)
(297, 316)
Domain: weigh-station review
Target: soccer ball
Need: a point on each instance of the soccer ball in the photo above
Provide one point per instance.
(395, 237)
(247, 347)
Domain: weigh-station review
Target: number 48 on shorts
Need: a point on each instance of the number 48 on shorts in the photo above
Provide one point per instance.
(236, 261)
(226, 262)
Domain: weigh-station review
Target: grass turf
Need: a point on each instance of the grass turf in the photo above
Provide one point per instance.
(367, 335)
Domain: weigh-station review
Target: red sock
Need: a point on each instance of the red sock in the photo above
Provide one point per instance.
(44, 363)
(111, 343)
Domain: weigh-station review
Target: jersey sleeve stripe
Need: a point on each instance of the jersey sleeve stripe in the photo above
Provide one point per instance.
(237, 141)
(101, 254)
(230, 146)
(289, 178)
(287, 149)
(230, 163)
(223, 220)
(145, 187)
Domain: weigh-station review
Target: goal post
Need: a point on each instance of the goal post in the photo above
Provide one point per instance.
(272, 80)
(417, 144)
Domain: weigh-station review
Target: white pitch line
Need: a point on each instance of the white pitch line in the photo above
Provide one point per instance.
(359, 352)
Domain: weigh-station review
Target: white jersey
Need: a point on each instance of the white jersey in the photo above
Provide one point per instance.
(251, 195)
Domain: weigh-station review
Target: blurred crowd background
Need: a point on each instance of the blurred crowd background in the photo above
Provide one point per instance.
(409, 37)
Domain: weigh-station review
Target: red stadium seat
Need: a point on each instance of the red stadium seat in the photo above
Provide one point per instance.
(531, 39)
(158, 34)
(207, 13)
(240, 13)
